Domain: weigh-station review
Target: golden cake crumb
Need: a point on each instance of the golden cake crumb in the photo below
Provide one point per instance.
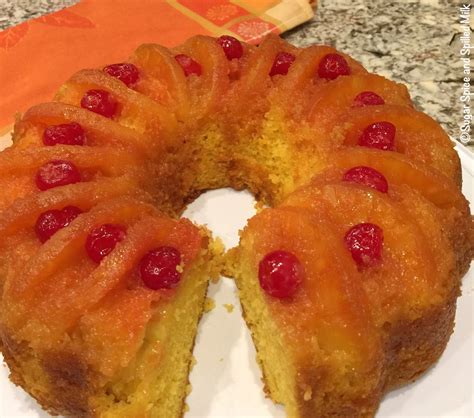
(259, 206)
(209, 305)
(229, 307)
(193, 362)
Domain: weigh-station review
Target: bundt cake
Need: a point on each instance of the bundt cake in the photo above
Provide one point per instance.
(348, 279)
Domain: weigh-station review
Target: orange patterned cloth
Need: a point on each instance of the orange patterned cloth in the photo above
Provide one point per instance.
(37, 56)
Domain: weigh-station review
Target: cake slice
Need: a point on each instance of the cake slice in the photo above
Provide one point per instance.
(314, 338)
(104, 319)
(335, 285)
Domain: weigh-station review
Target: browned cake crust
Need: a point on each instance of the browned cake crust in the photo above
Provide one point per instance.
(64, 384)
(65, 376)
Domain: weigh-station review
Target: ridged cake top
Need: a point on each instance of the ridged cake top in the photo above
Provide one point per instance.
(83, 243)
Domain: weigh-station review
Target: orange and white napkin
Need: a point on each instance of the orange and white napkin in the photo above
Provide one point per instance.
(37, 56)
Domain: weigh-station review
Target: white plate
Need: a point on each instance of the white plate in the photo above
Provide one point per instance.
(226, 380)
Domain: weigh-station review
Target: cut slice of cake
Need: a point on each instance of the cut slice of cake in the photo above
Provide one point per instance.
(111, 334)
(314, 339)
(335, 285)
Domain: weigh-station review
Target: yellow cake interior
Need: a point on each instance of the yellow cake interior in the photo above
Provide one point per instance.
(156, 381)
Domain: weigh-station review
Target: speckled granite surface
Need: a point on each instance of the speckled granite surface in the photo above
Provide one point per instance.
(414, 42)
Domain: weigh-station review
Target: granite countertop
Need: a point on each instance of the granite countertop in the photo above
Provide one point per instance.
(415, 42)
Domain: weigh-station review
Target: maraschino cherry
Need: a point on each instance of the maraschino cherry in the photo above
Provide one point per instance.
(333, 66)
(57, 173)
(367, 98)
(368, 177)
(159, 268)
(51, 221)
(102, 240)
(125, 72)
(188, 65)
(100, 102)
(365, 242)
(64, 134)
(280, 274)
(231, 46)
(379, 135)
(282, 63)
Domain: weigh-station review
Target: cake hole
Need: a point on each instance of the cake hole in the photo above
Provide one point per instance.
(224, 211)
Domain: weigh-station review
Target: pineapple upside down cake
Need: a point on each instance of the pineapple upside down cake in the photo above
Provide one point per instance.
(348, 280)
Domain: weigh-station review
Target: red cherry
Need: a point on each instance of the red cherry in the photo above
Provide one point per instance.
(66, 134)
(368, 177)
(125, 72)
(102, 240)
(70, 213)
(188, 65)
(48, 223)
(367, 98)
(365, 242)
(57, 173)
(159, 268)
(280, 274)
(282, 63)
(232, 47)
(99, 101)
(51, 221)
(380, 135)
(332, 66)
